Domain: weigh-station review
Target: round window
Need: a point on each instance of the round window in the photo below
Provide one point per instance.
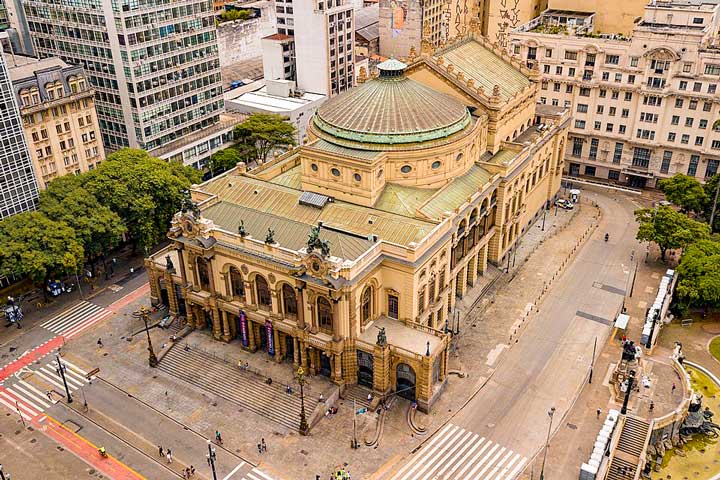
(406, 169)
(335, 172)
(357, 177)
(459, 157)
(314, 167)
(436, 164)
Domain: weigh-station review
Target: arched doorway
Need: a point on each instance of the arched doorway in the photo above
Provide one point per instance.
(405, 385)
(365, 369)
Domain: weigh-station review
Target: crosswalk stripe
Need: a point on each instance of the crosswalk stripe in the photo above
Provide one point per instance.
(70, 311)
(11, 406)
(490, 460)
(259, 472)
(251, 476)
(38, 393)
(234, 470)
(430, 452)
(515, 471)
(492, 476)
(439, 456)
(72, 366)
(70, 381)
(20, 404)
(467, 455)
(475, 457)
(509, 466)
(50, 380)
(72, 377)
(29, 397)
(89, 323)
(453, 460)
(417, 455)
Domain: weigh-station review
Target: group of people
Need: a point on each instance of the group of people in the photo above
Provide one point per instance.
(340, 474)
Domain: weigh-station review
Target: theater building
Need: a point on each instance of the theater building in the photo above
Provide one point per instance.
(346, 255)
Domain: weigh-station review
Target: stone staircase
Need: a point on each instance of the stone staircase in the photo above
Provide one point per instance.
(629, 453)
(358, 394)
(245, 389)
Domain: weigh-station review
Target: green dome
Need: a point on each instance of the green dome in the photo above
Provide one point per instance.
(391, 109)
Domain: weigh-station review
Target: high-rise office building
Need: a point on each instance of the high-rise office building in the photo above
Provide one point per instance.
(324, 37)
(153, 64)
(18, 187)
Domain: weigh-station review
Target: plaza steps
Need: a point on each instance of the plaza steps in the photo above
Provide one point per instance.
(242, 388)
(629, 453)
(357, 393)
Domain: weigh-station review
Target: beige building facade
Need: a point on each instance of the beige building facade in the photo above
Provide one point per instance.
(58, 109)
(645, 107)
(346, 255)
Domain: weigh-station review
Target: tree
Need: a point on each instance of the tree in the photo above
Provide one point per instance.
(231, 15)
(668, 228)
(265, 132)
(224, 160)
(685, 192)
(98, 228)
(699, 274)
(35, 246)
(144, 191)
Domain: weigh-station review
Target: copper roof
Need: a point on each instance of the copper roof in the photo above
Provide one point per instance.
(391, 110)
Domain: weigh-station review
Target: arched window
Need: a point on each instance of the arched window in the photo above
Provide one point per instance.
(324, 313)
(366, 305)
(462, 227)
(289, 300)
(263, 292)
(473, 216)
(203, 273)
(237, 286)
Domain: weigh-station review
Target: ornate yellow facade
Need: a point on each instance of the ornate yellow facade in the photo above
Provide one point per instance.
(347, 254)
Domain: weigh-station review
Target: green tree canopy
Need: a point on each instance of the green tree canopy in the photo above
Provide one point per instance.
(144, 191)
(668, 228)
(98, 228)
(231, 15)
(699, 274)
(265, 132)
(224, 160)
(32, 245)
(685, 192)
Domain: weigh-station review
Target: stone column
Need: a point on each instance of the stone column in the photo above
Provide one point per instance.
(336, 319)
(215, 323)
(275, 302)
(181, 261)
(337, 369)
(423, 386)
(381, 369)
(296, 353)
(172, 294)
(189, 312)
(225, 327)
(249, 293)
(154, 282)
(278, 349)
(211, 274)
(252, 346)
(300, 307)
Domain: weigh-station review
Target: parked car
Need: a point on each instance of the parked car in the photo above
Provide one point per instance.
(565, 204)
(236, 84)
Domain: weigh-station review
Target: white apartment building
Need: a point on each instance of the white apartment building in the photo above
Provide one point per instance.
(645, 107)
(153, 64)
(324, 36)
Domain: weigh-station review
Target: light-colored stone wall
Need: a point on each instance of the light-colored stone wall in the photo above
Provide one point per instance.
(240, 40)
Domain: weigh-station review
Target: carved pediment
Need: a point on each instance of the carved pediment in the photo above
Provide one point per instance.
(187, 225)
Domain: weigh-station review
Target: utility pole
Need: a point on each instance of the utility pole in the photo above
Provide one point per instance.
(61, 372)
(212, 456)
(630, 382)
(544, 212)
(2, 473)
(592, 363)
(551, 412)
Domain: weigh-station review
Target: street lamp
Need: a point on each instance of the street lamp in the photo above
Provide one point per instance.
(212, 456)
(630, 382)
(61, 372)
(303, 420)
(551, 412)
(143, 313)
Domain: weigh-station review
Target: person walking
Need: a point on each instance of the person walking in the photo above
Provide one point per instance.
(597, 413)
(100, 343)
(161, 451)
(192, 470)
(259, 448)
(673, 388)
(49, 395)
(218, 437)
(169, 456)
(264, 446)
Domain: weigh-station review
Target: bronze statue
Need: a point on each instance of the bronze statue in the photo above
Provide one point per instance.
(270, 237)
(169, 264)
(241, 229)
(315, 243)
(187, 205)
(381, 337)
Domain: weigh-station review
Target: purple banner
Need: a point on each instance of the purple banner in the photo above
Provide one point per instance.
(270, 338)
(244, 329)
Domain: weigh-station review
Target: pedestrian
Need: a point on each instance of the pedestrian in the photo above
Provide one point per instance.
(99, 343)
(218, 437)
(192, 470)
(597, 413)
(161, 451)
(259, 449)
(369, 397)
(264, 446)
(187, 472)
(652, 405)
(169, 456)
(49, 395)
(673, 388)
(321, 398)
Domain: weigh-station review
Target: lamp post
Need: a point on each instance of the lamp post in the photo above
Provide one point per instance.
(143, 313)
(630, 382)
(212, 456)
(61, 372)
(303, 420)
(551, 412)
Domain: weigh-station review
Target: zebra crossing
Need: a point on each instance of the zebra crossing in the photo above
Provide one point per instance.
(77, 318)
(256, 474)
(29, 401)
(253, 474)
(454, 453)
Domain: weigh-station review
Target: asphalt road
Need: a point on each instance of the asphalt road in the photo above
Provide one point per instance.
(549, 365)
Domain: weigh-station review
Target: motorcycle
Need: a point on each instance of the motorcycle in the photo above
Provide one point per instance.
(102, 452)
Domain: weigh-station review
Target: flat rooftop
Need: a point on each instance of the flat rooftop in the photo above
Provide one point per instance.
(261, 99)
(400, 335)
(21, 67)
